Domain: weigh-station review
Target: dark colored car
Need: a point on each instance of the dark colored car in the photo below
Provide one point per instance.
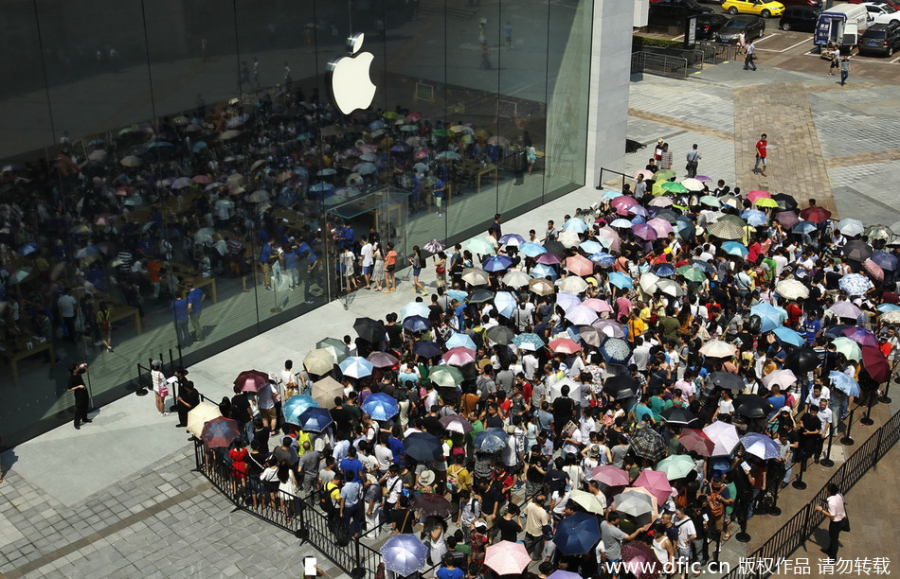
(751, 26)
(801, 18)
(667, 12)
(881, 39)
(708, 25)
(810, 3)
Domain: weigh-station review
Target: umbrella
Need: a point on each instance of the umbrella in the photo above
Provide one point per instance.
(858, 250)
(760, 446)
(251, 380)
(577, 534)
(507, 558)
(785, 201)
(459, 356)
(641, 561)
(530, 249)
(426, 349)
(724, 436)
(610, 476)
(456, 423)
(491, 440)
(543, 271)
(644, 231)
(792, 289)
(579, 265)
(496, 263)
(620, 280)
(295, 406)
(414, 309)
(382, 360)
(356, 367)
(816, 214)
(861, 336)
(588, 501)
(655, 482)
(590, 246)
(725, 230)
(338, 349)
(679, 415)
(851, 227)
(804, 227)
(647, 443)
(460, 340)
(599, 306)
(753, 406)
(886, 261)
(664, 175)
(480, 296)
(664, 269)
(431, 504)
(674, 188)
(131, 161)
(609, 328)
(766, 202)
(718, 349)
(755, 217)
(573, 284)
(692, 184)
(199, 415)
(447, 376)
(475, 276)
(615, 351)
(693, 441)
(564, 346)
(370, 330)
(803, 359)
(875, 363)
(501, 335)
(379, 406)
(513, 239)
(404, 554)
(710, 201)
(516, 279)
(891, 317)
(844, 383)
(324, 391)
(480, 246)
(576, 225)
(529, 342)
(848, 348)
(636, 502)
(574, 389)
(735, 248)
(568, 239)
(855, 284)
(458, 295)
(314, 419)
(541, 287)
(692, 273)
(781, 378)
(435, 246)
(725, 380)
(220, 432)
(621, 386)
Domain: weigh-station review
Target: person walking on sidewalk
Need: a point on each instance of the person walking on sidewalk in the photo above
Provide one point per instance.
(761, 154)
(693, 160)
(834, 510)
(845, 69)
(78, 388)
(751, 56)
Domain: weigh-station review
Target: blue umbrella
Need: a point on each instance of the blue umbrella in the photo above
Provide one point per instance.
(356, 367)
(414, 309)
(664, 269)
(530, 249)
(789, 336)
(885, 260)
(27, 249)
(460, 340)
(295, 406)
(760, 445)
(404, 554)
(426, 349)
(855, 284)
(604, 259)
(491, 440)
(542, 271)
(379, 406)
(530, 342)
(199, 146)
(422, 446)
(511, 239)
(590, 246)
(620, 280)
(611, 195)
(506, 304)
(844, 383)
(567, 300)
(457, 295)
(884, 308)
(314, 419)
(496, 263)
(804, 227)
(637, 220)
(770, 317)
(576, 225)
(735, 248)
(755, 217)
(615, 351)
(577, 534)
(416, 324)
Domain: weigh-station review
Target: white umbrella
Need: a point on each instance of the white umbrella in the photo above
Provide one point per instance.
(792, 289)
(574, 389)
(569, 239)
(200, 415)
(718, 349)
(724, 436)
(573, 284)
(781, 378)
(851, 227)
(516, 278)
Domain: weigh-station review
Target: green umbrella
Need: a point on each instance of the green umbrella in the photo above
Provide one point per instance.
(664, 175)
(692, 273)
(446, 376)
(673, 187)
(676, 466)
(480, 245)
(338, 349)
(710, 201)
(439, 132)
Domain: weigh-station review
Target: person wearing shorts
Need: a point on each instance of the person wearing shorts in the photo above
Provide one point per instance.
(390, 266)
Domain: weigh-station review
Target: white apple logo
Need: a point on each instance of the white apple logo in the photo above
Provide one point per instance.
(351, 86)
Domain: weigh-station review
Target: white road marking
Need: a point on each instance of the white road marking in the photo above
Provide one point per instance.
(804, 41)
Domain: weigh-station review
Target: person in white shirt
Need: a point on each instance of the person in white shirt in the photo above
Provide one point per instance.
(367, 260)
(834, 509)
(687, 532)
(529, 365)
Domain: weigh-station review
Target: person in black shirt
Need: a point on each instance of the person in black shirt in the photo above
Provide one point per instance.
(563, 410)
(342, 419)
(188, 399)
(79, 389)
(394, 332)
(241, 410)
(432, 422)
(491, 498)
(508, 525)
(403, 518)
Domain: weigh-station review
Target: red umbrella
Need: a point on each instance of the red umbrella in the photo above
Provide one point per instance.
(220, 432)
(251, 380)
(816, 214)
(656, 483)
(876, 364)
(432, 504)
(610, 476)
(696, 441)
(623, 201)
(564, 346)
(757, 194)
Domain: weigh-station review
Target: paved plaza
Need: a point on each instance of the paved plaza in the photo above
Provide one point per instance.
(119, 498)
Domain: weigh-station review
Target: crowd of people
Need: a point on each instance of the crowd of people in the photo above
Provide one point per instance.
(658, 368)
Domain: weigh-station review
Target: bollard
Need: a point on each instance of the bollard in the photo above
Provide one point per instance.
(827, 460)
(798, 482)
(847, 440)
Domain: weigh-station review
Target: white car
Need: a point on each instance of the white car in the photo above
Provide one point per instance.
(881, 13)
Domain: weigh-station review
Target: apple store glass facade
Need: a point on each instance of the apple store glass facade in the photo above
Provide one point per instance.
(158, 148)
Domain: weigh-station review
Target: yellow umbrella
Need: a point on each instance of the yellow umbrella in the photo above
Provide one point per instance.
(765, 202)
(199, 415)
(319, 361)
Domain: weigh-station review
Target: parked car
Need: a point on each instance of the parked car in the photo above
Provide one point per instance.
(810, 3)
(802, 18)
(882, 13)
(881, 39)
(667, 12)
(708, 25)
(892, 3)
(751, 26)
(763, 8)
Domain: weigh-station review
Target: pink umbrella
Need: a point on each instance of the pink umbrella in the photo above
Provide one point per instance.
(647, 174)
(367, 149)
(787, 218)
(623, 201)
(548, 258)
(609, 235)
(459, 356)
(655, 482)
(577, 264)
(422, 153)
(874, 269)
(599, 306)
(644, 231)
(660, 202)
(413, 117)
(610, 328)
(757, 194)
(640, 560)
(507, 558)
(564, 346)
(861, 336)
(610, 476)
(661, 226)
(202, 179)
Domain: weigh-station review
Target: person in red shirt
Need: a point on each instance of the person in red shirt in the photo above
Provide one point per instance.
(761, 146)
(795, 313)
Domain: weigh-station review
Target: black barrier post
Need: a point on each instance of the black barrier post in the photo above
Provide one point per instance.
(884, 398)
(600, 184)
(827, 462)
(141, 391)
(867, 419)
(798, 482)
(847, 440)
(775, 511)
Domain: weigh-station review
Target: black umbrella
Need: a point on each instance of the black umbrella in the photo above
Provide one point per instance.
(370, 330)
(616, 384)
(501, 335)
(480, 296)
(591, 335)
(426, 349)
(785, 201)
(555, 247)
(704, 265)
(726, 380)
(858, 250)
(679, 415)
(667, 215)
(423, 447)
(753, 406)
(803, 359)
(838, 330)
(647, 443)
